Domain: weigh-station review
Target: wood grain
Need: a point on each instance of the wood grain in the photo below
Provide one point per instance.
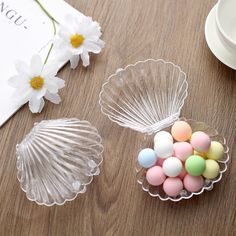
(115, 204)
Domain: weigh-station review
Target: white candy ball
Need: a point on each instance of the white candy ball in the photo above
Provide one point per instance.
(172, 166)
(163, 135)
(164, 148)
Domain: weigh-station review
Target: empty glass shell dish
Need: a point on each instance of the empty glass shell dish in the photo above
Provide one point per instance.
(58, 159)
(157, 191)
(147, 97)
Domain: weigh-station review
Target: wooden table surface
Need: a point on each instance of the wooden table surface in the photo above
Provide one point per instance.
(114, 203)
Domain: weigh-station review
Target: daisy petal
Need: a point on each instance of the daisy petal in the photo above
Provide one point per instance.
(51, 87)
(93, 47)
(100, 43)
(93, 31)
(36, 65)
(41, 105)
(53, 97)
(50, 71)
(17, 81)
(22, 68)
(64, 32)
(75, 23)
(40, 93)
(60, 82)
(36, 105)
(21, 96)
(74, 61)
(82, 24)
(54, 84)
(64, 56)
(78, 51)
(85, 58)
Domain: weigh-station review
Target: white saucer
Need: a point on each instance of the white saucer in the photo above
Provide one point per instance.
(214, 42)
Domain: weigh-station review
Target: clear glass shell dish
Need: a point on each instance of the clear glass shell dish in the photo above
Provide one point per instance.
(147, 97)
(58, 159)
(157, 191)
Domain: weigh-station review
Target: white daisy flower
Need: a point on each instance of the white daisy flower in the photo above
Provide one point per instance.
(34, 82)
(79, 36)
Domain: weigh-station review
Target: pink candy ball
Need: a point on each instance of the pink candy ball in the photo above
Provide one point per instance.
(155, 176)
(160, 161)
(200, 141)
(182, 173)
(173, 186)
(183, 150)
(193, 183)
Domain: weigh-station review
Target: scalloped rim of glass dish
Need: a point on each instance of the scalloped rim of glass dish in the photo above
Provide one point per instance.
(209, 184)
(84, 185)
(167, 120)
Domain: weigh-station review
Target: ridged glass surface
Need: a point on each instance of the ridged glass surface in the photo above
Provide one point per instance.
(157, 191)
(58, 159)
(146, 96)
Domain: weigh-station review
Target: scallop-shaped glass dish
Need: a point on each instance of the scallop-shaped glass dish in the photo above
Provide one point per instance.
(58, 159)
(147, 97)
(157, 191)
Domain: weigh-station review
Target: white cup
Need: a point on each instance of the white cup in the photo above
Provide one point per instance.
(226, 23)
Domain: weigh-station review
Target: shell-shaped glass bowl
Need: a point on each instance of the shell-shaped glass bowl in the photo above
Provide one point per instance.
(157, 191)
(58, 159)
(146, 96)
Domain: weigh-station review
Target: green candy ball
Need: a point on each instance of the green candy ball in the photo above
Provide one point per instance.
(195, 165)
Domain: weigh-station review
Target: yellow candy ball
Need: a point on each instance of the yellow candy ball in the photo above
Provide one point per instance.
(216, 151)
(202, 154)
(212, 169)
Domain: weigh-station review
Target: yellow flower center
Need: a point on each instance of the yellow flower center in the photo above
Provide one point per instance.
(76, 40)
(37, 82)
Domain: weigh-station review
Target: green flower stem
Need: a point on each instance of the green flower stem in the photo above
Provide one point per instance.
(50, 49)
(46, 12)
(54, 26)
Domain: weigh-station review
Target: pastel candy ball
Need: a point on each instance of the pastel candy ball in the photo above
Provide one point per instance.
(200, 141)
(193, 183)
(160, 161)
(195, 165)
(182, 173)
(164, 148)
(173, 186)
(202, 154)
(163, 135)
(216, 151)
(212, 169)
(155, 176)
(181, 131)
(147, 158)
(183, 150)
(172, 166)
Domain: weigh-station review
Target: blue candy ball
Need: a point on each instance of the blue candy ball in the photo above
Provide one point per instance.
(147, 158)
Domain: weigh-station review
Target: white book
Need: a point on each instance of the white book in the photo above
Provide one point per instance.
(24, 30)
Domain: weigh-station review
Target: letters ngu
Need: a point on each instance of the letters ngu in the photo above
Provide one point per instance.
(12, 14)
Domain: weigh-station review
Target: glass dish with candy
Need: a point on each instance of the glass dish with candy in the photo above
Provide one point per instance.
(179, 157)
(181, 161)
